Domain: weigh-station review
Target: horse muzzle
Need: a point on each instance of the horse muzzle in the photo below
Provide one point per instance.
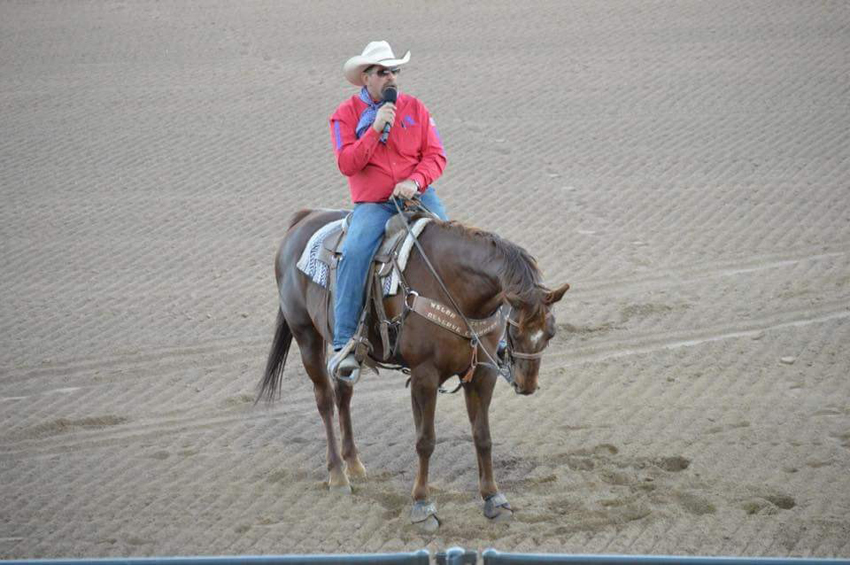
(525, 391)
(507, 372)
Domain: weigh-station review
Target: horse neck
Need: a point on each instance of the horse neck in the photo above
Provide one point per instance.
(491, 269)
(468, 269)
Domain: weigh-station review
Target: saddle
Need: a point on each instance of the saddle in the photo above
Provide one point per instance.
(379, 280)
(330, 252)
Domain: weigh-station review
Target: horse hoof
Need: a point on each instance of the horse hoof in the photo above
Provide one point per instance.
(429, 526)
(424, 517)
(497, 509)
(339, 489)
(356, 470)
(503, 515)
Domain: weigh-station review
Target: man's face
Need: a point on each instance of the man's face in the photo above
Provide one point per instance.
(378, 78)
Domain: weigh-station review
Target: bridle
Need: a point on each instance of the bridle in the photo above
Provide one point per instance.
(506, 368)
(518, 354)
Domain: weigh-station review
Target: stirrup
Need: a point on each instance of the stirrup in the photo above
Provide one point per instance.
(338, 361)
(354, 375)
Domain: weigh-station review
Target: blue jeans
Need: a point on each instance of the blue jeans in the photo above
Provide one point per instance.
(365, 232)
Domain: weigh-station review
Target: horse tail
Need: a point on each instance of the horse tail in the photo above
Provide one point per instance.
(269, 387)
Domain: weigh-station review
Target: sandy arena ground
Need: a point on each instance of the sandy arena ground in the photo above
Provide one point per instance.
(684, 165)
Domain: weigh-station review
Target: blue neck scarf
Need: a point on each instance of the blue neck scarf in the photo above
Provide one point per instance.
(367, 118)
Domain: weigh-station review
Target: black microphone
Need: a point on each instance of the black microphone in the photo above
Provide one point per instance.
(390, 95)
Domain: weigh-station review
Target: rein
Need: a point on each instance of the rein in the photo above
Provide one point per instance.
(474, 329)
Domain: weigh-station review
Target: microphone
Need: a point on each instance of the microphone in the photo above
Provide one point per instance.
(390, 94)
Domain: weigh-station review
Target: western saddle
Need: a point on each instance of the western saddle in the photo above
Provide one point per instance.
(383, 263)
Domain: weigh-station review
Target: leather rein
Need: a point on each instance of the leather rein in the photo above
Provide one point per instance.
(446, 317)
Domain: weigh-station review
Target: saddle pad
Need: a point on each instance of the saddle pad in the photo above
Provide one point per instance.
(309, 262)
(319, 272)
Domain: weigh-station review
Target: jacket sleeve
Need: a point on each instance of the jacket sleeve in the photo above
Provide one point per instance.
(352, 154)
(433, 160)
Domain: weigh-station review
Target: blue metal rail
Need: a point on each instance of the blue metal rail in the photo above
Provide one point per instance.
(421, 557)
(493, 557)
(453, 556)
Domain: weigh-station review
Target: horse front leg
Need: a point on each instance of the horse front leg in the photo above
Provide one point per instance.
(478, 395)
(354, 467)
(423, 393)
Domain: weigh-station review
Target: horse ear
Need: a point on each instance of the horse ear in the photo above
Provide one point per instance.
(554, 296)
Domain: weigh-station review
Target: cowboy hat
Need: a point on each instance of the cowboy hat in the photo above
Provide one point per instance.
(376, 53)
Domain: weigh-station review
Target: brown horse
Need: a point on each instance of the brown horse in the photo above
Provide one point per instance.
(482, 272)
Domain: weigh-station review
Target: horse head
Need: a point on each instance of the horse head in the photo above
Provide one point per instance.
(529, 333)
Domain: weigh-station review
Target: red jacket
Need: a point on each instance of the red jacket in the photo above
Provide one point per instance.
(413, 149)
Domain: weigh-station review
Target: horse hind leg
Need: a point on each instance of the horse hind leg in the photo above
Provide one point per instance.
(312, 347)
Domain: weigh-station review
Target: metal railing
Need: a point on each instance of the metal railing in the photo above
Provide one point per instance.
(493, 557)
(453, 556)
(421, 557)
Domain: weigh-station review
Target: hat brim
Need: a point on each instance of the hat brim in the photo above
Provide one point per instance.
(353, 68)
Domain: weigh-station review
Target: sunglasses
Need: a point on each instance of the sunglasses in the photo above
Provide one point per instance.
(388, 72)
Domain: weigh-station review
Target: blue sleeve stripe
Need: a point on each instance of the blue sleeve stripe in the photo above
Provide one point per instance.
(337, 135)
(440, 139)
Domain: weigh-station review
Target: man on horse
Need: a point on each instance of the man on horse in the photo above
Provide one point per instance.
(387, 150)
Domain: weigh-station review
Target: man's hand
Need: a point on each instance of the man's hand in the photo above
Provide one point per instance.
(406, 189)
(385, 115)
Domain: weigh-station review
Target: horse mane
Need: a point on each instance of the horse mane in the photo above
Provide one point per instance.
(519, 275)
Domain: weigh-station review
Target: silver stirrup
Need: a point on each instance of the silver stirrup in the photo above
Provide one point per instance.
(343, 360)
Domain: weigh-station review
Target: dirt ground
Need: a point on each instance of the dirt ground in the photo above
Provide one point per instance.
(684, 165)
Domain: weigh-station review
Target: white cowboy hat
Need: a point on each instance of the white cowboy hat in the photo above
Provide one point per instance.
(376, 53)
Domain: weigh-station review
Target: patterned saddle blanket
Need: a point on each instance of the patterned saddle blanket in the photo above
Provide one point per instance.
(314, 260)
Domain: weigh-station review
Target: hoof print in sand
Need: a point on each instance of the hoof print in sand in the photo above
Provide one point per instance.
(695, 504)
(673, 464)
(768, 505)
